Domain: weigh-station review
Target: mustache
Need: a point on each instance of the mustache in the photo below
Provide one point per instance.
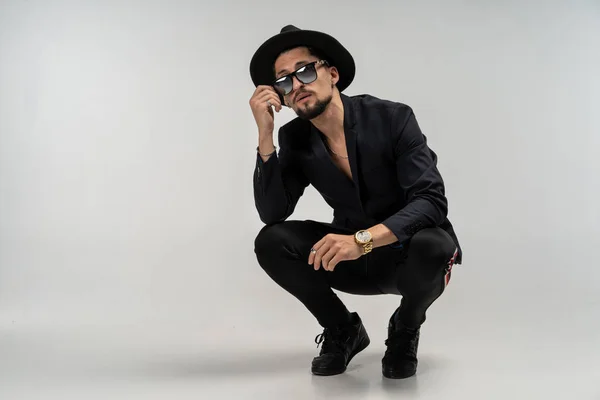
(301, 94)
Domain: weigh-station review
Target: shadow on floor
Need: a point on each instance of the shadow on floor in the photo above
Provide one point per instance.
(363, 373)
(226, 365)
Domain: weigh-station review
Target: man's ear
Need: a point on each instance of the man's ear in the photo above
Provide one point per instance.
(335, 75)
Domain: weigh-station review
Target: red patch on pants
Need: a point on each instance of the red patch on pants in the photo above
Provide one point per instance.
(449, 268)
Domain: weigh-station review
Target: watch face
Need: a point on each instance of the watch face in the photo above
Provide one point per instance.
(363, 236)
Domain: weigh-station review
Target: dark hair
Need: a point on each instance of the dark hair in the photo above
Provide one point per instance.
(317, 53)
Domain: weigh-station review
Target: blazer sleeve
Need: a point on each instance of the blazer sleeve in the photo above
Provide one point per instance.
(419, 179)
(278, 185)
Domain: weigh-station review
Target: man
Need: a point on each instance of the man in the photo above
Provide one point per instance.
(369, 160)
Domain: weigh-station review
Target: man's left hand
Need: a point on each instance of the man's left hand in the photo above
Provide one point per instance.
(332, 249)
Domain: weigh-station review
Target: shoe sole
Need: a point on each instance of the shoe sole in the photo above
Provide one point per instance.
(328, 372)
(393, 374)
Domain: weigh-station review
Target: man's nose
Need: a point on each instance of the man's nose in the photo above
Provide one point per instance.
(296, 84)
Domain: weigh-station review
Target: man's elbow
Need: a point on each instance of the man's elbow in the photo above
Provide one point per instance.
(442, 207)
(439, 207)
(272, 216)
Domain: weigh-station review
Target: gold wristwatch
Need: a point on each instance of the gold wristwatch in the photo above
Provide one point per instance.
(365, 239)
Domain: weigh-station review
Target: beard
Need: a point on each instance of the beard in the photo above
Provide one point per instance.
(311, 112)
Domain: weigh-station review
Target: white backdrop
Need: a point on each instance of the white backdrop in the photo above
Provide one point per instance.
(127, 148)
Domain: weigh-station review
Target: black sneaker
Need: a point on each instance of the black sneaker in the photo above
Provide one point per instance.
(400, 359)
(340, 345)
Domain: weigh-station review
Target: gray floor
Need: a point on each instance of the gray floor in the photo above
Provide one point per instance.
(476, 345)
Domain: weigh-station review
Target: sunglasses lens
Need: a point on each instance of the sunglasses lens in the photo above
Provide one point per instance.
(284, 85)
(307, 74)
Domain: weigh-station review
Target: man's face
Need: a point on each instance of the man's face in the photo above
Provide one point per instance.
(307, 100)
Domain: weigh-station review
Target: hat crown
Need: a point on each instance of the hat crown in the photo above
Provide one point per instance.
(261, 64)
(289, 28)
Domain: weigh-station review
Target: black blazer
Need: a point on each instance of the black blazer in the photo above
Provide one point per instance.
(395, 180)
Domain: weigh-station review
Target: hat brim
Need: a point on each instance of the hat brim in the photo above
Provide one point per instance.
(261, 65)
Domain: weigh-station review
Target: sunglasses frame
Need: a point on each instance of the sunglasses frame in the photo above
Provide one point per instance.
(291, 75)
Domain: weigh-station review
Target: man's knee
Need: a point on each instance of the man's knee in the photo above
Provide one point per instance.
(265, 240)
(433, 246)
(274, 239)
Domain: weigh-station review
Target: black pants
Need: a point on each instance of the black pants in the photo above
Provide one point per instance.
(418, 271)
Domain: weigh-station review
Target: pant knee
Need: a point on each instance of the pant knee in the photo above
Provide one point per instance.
(266, 240)
(278, 249)
(275, 240)
(433, 247)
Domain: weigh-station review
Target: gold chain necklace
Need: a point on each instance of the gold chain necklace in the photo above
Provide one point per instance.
(329, 147)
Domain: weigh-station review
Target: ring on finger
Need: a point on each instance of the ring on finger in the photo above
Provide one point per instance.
(313, 250)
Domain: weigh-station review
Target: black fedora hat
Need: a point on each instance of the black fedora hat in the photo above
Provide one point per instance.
(261, 65)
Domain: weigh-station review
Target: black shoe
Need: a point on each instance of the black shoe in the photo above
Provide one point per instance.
(340, 345)
(400, 359)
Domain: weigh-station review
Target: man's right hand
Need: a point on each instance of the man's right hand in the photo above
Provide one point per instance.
(263, 114)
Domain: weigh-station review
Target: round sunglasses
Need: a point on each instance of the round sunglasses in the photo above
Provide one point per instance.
(305, 74)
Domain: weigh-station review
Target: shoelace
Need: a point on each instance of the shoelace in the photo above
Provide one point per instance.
(332, 341)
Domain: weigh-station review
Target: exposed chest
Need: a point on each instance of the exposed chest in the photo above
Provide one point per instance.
(343, 165)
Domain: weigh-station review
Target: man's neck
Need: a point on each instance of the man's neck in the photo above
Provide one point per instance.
(331, 121)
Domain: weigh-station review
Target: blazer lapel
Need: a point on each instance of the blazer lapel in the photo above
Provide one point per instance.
(351, 147)
(351, 142)
(322, 155)
(333, 177)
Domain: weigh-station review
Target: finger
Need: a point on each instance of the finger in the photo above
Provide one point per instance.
(319, 254)
(334, 250)
(329, 254)
(260, 96)
(311, 255)
(277, 103)
(266, 98)
(260, 91)
(316, 247)
(328, 257)
(273, 98)
(268, 87)
(321, 242)
(265, 91)
(263, 88)
(335, 260)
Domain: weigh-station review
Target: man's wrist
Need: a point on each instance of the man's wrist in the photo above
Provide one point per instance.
(270, 153)
(364, 239)
(382, 235)
(266, 148)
